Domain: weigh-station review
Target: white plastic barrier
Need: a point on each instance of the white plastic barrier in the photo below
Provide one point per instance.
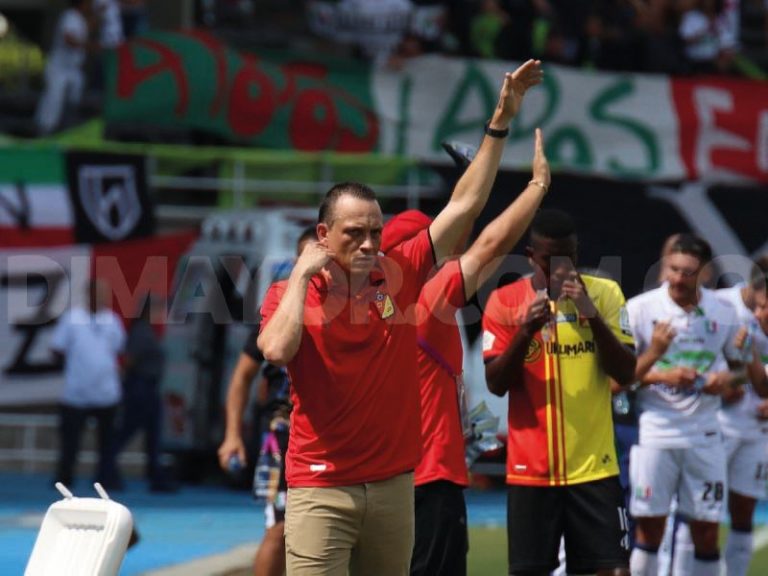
(81, 537)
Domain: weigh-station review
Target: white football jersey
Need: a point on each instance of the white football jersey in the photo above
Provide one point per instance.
(739, 419)
(671, 417)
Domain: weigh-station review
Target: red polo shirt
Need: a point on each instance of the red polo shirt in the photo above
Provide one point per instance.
(354, 378)
(441, 359)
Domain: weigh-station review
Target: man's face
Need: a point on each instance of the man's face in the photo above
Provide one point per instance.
(354, 235)
(761, 310)
(664, 270)
(683, 272)
(553, 260)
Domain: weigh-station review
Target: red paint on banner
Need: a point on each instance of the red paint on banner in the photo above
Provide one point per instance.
(254, 94)
(723, 126)
(130, 76)
(35, 237)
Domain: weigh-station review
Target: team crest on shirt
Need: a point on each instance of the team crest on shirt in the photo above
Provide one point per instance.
(710, 326)
(624, 324)
(534, 351)
(384, 305)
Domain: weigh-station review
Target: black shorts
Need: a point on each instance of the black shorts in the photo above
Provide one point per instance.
(591, 516)
(441, 543)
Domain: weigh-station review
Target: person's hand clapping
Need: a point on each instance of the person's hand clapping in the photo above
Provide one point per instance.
(680, 377)
(538, 313)
(740, 340)
(663, 334)
(574, 289)
(516, 84)
(719, 383)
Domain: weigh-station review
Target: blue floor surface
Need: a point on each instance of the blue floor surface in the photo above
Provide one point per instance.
(195, 522)
(175, 528)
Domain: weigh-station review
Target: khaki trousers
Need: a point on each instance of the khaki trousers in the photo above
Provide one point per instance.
(361, 530)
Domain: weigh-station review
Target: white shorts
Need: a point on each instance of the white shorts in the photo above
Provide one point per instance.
(697, 475)
(747, 467)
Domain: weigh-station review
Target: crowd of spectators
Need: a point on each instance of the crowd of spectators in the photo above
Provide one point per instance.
(83, 34)
(664, 36)
(677, 37)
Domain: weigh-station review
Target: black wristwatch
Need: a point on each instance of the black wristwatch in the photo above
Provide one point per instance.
(493, 133)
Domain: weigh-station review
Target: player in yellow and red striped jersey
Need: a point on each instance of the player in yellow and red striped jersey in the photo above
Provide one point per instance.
(552, 341)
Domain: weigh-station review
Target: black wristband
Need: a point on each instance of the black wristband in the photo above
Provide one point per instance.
(493, 133)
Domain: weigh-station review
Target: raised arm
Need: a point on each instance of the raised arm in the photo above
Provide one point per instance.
(499, 237)
(281, 336)
(473, 188)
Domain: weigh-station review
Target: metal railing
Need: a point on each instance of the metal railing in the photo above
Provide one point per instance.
(245, 189)
(33, 428)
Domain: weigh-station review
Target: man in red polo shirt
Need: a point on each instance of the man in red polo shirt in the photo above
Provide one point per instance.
(344, 326)
(441, 476)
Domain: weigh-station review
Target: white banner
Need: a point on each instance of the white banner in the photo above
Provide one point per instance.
(36, 287)
(638, 126)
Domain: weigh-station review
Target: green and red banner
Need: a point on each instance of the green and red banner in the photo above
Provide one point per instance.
(638, 126)
(192, 79)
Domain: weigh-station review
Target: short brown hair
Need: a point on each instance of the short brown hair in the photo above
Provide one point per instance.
(692, 245)
(758, 277)
(354, 189)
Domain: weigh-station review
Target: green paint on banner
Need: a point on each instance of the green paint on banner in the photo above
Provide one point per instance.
(191, 79)
(31, 165)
